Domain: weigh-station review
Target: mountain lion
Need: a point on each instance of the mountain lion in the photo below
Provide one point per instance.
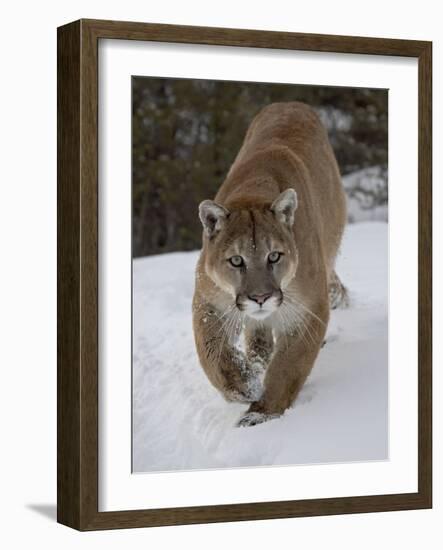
(265, 280)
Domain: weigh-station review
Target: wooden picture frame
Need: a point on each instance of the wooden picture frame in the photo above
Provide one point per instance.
(77, 454)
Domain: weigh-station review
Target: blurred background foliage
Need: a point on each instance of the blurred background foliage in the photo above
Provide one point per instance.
(186, 134)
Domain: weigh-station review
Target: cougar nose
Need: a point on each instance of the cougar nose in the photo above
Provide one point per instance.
(260, 298)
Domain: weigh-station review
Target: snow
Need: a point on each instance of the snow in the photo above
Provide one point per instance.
(366, 192)
(180, 422)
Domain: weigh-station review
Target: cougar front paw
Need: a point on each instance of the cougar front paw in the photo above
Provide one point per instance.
(254, 418)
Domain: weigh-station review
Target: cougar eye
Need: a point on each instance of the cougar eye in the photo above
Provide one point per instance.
(274, 257)
(236, 261)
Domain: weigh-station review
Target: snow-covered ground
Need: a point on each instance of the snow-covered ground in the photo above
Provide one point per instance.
(181, 422)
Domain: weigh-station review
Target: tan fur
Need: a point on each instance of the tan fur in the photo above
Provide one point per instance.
(286, 147)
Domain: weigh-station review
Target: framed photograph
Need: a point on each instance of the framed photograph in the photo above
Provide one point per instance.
(244, 275)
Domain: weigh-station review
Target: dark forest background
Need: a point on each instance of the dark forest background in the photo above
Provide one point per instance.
(186, 134)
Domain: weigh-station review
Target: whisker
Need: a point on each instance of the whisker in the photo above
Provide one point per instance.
(223, 329)
(285, 327)
(231, 329)
(302, 322)
(292, 297)
(226, 322)
(299, 323)
(227, 332)
(220, 318)
(302, 327)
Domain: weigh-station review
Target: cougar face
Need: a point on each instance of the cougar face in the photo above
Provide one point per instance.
(251, 252)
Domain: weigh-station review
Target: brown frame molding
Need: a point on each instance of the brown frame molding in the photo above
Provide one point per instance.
(77, 319)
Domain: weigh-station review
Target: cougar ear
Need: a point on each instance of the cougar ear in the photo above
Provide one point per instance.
(212, 216)
(284, 207)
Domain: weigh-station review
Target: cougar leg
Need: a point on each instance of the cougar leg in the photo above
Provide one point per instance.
(289, 367)
(259, 349)
(226, 367)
